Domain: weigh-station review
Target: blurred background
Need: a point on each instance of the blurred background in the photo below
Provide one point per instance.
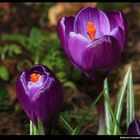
(28, 34)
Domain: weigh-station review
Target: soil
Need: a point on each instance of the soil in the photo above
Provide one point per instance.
(10, 124)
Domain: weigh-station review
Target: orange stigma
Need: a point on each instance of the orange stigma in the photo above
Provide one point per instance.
(34, 77)
(91, 29)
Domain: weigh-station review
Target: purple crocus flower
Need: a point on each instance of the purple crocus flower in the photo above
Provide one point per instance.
(93, 40)
(40, 95)
(134, 128)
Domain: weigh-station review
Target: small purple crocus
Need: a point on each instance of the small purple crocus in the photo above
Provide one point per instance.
(93, 40)
(134, 128)
(40, 95)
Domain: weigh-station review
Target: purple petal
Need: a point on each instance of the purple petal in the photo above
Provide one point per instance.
(39, 69)
(101, 56)
(94, 15)
(119, 35)
(77, 45)
(64, 27)
(118, 19)
(48, 103)
(96, 59)
(134, 128)
(22, 94)
(34, 87)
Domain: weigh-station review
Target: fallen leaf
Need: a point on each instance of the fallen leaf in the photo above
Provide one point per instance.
(66, 9)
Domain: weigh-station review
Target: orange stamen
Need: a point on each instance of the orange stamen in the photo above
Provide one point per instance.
(91, 29)
(34, 77)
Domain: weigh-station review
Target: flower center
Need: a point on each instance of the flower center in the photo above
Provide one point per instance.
(91, 30)
(34, 77)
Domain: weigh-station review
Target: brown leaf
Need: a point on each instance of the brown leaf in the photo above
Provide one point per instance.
(65, 9)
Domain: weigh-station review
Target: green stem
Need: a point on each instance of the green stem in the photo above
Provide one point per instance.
(32, 128)
(101, 112)
(108, 119)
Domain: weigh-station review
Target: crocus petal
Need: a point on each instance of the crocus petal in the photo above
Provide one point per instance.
(64, 27)
(101, 56)
(22, 94)
(48, 110)
(134, 128)
(34, 87)
(94, 15)
(77, 45)
(39, 69)
(96, 59)
(117, 19)
(119, 35)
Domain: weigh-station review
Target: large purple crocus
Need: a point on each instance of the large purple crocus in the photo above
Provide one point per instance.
(134, 128)
(93, 40)
(40, 95)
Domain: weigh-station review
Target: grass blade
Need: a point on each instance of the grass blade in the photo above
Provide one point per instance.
(37, 131)
(108, 119)
(77, 129)
(120, 101)
(130, 101)
(65, 124)
(32, 129)
(115, 122)
(40, 130)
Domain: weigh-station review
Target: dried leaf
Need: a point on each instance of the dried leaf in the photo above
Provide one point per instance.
(65, 9)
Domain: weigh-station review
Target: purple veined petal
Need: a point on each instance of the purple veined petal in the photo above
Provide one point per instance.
(49, 108)
(47, 78)
(94, 15)
(134, 128)
(117, 19)
(34, 87)
(118, 33)
(35, 69)
(77, 45)
(23, 97)
(102, 53)
(39, 69)
(96, 59)
(64, 27)
(45, 86)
